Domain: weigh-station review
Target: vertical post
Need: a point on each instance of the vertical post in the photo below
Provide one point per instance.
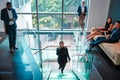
(37, 15)
(62, 19)
(62, 14)
(39, 42)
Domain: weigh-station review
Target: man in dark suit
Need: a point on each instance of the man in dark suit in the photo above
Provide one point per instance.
(63, 55)
(113, 38)
(82, 10)
(9, 16)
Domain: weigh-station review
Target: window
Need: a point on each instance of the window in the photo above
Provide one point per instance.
(49, 14)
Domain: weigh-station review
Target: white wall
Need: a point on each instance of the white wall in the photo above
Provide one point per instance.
(24, 21)
(98, 13)
(2, 5)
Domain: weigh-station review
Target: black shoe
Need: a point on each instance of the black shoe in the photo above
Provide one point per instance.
(91, 45)
(11, 50)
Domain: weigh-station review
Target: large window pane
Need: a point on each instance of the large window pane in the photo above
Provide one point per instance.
(50, 13)
(49, 5)
(49, 21)
(50, 17)
(70, 22)
(70, 17)
(71, 5)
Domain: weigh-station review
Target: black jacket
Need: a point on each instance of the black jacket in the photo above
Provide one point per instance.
(80, 10)
(62, 54)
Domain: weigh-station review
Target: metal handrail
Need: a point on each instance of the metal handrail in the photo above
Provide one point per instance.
(53, 13)
(48, 47)
(83, 55)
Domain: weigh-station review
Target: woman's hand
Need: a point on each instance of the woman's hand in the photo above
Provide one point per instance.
(107, 37)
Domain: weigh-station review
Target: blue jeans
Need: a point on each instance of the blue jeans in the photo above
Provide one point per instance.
(101, 40)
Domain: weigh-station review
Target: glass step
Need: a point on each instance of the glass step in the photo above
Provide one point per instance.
(59, 76)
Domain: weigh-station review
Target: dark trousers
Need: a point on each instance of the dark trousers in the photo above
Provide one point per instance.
(62, 66)
(12, 36)
(102, 39)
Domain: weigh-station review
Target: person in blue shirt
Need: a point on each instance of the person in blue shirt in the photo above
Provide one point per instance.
(112, 38)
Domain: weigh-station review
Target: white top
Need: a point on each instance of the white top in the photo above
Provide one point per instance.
(10, 16)
(83, 9)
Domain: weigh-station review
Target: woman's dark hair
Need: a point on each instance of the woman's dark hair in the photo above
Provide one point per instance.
(107, 25)
(110, 19)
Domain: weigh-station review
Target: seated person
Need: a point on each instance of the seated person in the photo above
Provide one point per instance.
(100, 30)
(113, 38)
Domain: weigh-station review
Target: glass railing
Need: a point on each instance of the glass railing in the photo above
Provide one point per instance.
(43, 47)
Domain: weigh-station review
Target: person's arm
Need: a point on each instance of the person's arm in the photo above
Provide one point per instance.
(107, 37)
(78, 9)
(115, 36)
(100, 28)
(15, 15)
(3, 15)
(67, 54)
(85, 9)
(111, 27)
(57, 51)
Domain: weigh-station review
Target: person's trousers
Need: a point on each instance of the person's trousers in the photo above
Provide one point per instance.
(62, 66)
(102, 39)
(81, 20)
(12, 36)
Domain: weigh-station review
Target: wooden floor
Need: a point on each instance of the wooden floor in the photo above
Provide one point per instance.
(104, 66)
(16, 66)
(12, 66)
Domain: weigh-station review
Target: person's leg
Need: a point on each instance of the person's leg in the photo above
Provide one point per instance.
(62, 67)
(10, 38)
(59, 66)
(99, 40)
(82, 22)
(14, 37)
(93, 35)
(10, 35)
(90, 34)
